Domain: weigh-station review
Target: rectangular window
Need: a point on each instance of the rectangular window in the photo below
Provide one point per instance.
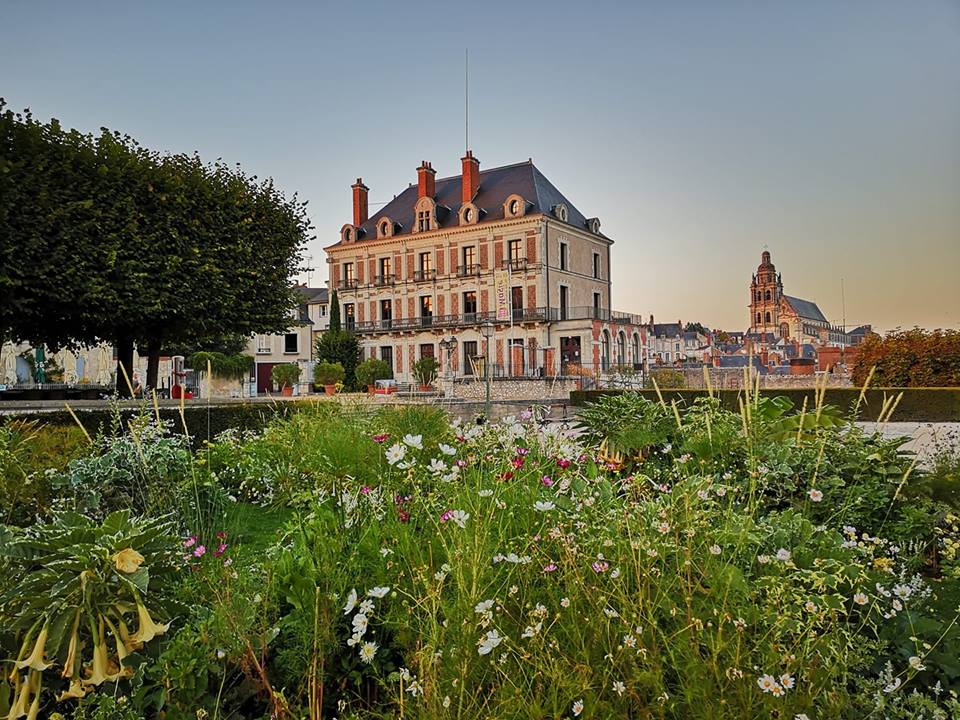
(423, 220)
(470, 256)
(386, 313)
(349, 280)
(469, 356)
(596, 265)
(323, 311)
(386, 354)
(291, 343)
(263, 345)
(516, 302)
(563, 256)
(564, 292)
(426, 310)
(386, 271)
(349, 316)
(596, 306)
(426, 265)
(514, 249)
(426, 350)
(470, 304)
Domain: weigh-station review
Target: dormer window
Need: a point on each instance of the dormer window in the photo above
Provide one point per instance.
(515, 206)
(348, 234)
(561, 212)
(385, 228)
(593, 225)
(469, 214)
(425, 213)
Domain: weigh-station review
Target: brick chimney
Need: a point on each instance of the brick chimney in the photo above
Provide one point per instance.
(426, 183)
(359, 202)
(471, 176)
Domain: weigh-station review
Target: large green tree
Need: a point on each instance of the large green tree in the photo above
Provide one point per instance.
(103, 240)
(910, 358)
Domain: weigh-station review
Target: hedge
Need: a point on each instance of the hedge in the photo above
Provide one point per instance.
(202, 421)
(917, 404)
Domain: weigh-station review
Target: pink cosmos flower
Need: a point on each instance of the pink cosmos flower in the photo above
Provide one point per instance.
(521, 451)
(446, 515)
(221, 534)
(220, 550)
(563, 463)
(549, 568)
(200, 551)
(381, 437)
(582, 458)
(365, 489)
(517, 462)
(403, 515)
(507, 475)
(190, 541)
(600, 566)
(461, 463)
(546, 480)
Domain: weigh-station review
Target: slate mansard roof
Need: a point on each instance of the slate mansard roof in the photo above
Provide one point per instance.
(806, 309)
(496, 185)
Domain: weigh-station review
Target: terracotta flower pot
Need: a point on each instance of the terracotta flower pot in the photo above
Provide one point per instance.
(371, 389)
(426, 388)
(330, 389)
(287, 390)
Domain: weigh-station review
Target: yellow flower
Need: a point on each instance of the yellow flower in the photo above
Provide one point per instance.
(75, 691)
(35, 705)
(100, 667)
(127, 560)
(883, 563)
(148, 629)
(121, 651)
(69, 665)
(35, 660)
(19, 707)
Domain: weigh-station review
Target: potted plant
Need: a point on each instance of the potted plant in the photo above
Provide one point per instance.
(329, 375)
(369, 371)
(425, 372)
(286, 376)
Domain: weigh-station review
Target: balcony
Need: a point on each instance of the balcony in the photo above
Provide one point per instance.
(515, 264)
(424, 275)
(454, 321)
(468, 270)
(382, 280)
(349, 284)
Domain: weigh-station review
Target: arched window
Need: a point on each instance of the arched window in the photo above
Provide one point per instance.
(605, 350)
(767, 296)
(621, 348)
(766, 317)
(636, 349)
(758, 318)
(784, 330)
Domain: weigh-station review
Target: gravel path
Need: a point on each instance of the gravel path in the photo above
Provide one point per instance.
(926, 437)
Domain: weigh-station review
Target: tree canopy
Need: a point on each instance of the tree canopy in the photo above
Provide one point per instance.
(102, 240)
(910, 358)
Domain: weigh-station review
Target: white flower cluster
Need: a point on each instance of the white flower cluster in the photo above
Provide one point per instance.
(770, 684)
(512, 558)
(361, 620)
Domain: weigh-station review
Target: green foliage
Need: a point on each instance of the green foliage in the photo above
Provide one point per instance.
(236, 366)
(328, 373)
(425, 370)
(72, 585)
(665, 378)
(339, 346)
(910, 358)
(335, 325)
(285, 374)
(371, 370)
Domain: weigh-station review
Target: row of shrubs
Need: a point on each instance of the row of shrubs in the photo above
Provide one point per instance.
(367, 372)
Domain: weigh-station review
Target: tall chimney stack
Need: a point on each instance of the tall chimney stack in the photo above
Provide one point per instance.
(426, 183)
(360, 202)
(471, 176)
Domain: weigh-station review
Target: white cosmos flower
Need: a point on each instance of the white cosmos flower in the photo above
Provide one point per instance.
(892, 686)
(414, 441)
(787, 681)
(663, 528)
(378, 592)
(815, 495)
(860, 598)
(619, 688)
(783, 555)
(459, 517)
(360, 624)
(488, 642)
(436, 466)
(577, 707)
(916, 663)
(715, 550)
(366, 607)
(485, 493)
(395, 453)
(367, 652)
(447, 450)
(543, 506)
(766, 682)
(801, 716)
(483, 607)
(351, 602)
(565, 602)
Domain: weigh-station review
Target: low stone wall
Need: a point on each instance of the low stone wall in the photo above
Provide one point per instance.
(519, 389)
(732, 378)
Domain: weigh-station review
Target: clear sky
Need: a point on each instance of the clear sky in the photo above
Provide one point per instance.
(699, 132)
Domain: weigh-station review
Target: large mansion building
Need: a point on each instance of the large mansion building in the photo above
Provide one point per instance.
(498, 253)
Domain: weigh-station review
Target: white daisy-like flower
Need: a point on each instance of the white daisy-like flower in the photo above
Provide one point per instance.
(715, 550)
(815, 495)
(810, 606)
(629, 641)
(801, 716)
(787, 681)
(577, 708)
(663, 528)
(395, 453)
(488, 642)
(446, 701)
(892, 686)
(902, 591)
(378, 592)
(459, 517)
(360, 622)
(860, 598)
(366, 607)
(414, 441)
(482, 607)
(415, 688)
(619, 688)
(437, 466)
(916, 663)
(777, 690)
(351, 602)
(766, 682)
(721, 490)
(368, 651)
(485, 493)
(543, 506)
(447, 449)
(565, 602)
(783, 555)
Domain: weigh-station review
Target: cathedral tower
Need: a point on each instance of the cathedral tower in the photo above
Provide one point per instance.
(766, 291)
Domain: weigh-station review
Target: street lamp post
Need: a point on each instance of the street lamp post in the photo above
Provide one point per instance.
(449, 345)
(488, 329)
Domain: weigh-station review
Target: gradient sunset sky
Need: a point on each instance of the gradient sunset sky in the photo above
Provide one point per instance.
(698, 132)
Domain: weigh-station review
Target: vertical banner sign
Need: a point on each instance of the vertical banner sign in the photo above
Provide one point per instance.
(501, 294)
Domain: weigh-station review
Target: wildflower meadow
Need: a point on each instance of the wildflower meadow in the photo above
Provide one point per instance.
(651, 560)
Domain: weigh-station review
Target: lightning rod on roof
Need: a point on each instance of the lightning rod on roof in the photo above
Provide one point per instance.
(466, 99)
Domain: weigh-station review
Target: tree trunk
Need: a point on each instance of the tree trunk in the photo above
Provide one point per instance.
(124, 362)
(153, 364)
